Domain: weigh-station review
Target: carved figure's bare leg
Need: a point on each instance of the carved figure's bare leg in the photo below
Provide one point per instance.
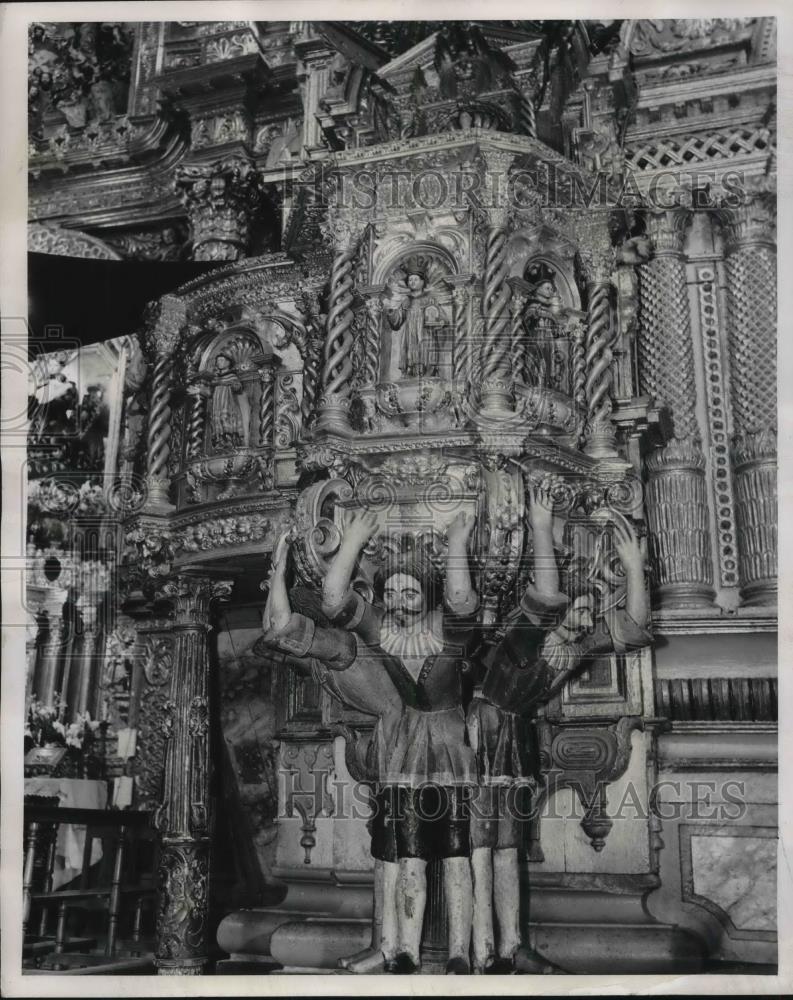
(484, 938)
(506, 890)
(411, 901)
(389, 935)
(459, 905)
(385, 942)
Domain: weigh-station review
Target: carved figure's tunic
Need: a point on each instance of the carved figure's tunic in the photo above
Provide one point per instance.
(518, 679)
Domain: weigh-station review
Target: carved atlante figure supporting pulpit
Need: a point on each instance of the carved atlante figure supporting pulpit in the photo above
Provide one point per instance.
(544, 643)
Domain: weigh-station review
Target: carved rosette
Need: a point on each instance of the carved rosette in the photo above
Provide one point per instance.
(183, 817)
(677, 497)
(221, 200)
(750, 262)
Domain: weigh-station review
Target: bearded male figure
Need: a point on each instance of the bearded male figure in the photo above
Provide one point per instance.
(546, 641)
(334, 657)
(431, 767)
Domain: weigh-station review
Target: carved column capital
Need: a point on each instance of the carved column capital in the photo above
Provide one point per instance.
(748, 220)
(666, 229)
(596, 263)
(164, 323)
(191, 597)
(495, 195)
(221, 199)
(341, 233)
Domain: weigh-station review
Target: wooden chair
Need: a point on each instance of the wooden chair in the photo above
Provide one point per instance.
(121, 885)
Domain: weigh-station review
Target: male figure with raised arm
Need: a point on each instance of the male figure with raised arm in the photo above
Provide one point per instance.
(431, 767)
(308, 642)
(546, 640)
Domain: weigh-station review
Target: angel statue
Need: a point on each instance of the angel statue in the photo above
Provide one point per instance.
(416, 313)
(546, 641)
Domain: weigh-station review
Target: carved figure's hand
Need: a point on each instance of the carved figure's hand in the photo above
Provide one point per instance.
(459, 529)
(541, 504)
(282, 547)
(628, 546)
(359, 527)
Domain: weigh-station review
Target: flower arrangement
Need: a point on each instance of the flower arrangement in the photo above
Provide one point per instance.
(45, 728)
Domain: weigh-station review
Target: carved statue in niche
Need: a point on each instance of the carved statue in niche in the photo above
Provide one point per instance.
(547, 360)
(229, 427)
(416, 314)
(529, 660)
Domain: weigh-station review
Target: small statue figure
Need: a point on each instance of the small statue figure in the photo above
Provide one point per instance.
(416, 315)
(547, 354)
(94, 423)
(229, 426)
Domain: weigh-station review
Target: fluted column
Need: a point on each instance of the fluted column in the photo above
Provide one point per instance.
(53, 644)
(84, 681)
(750, 262)
(676, 489)
(163, 338)
(335, 398)
(184, 815)
(495, 360)
(597, 264)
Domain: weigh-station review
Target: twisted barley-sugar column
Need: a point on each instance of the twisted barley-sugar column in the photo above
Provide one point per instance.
(495, 357)
(578, 365)
(374, 309)
(184, 816)
(750, 263)
(337, 364)
(599, 360)
(677, 506)
(195, 431)
(266, 406)
(310, 377)
(527, 114)
(462, 351)
(159, 430)
(518, 337)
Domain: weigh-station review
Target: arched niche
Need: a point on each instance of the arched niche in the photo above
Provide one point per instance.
(563, 281)
(416, 290)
